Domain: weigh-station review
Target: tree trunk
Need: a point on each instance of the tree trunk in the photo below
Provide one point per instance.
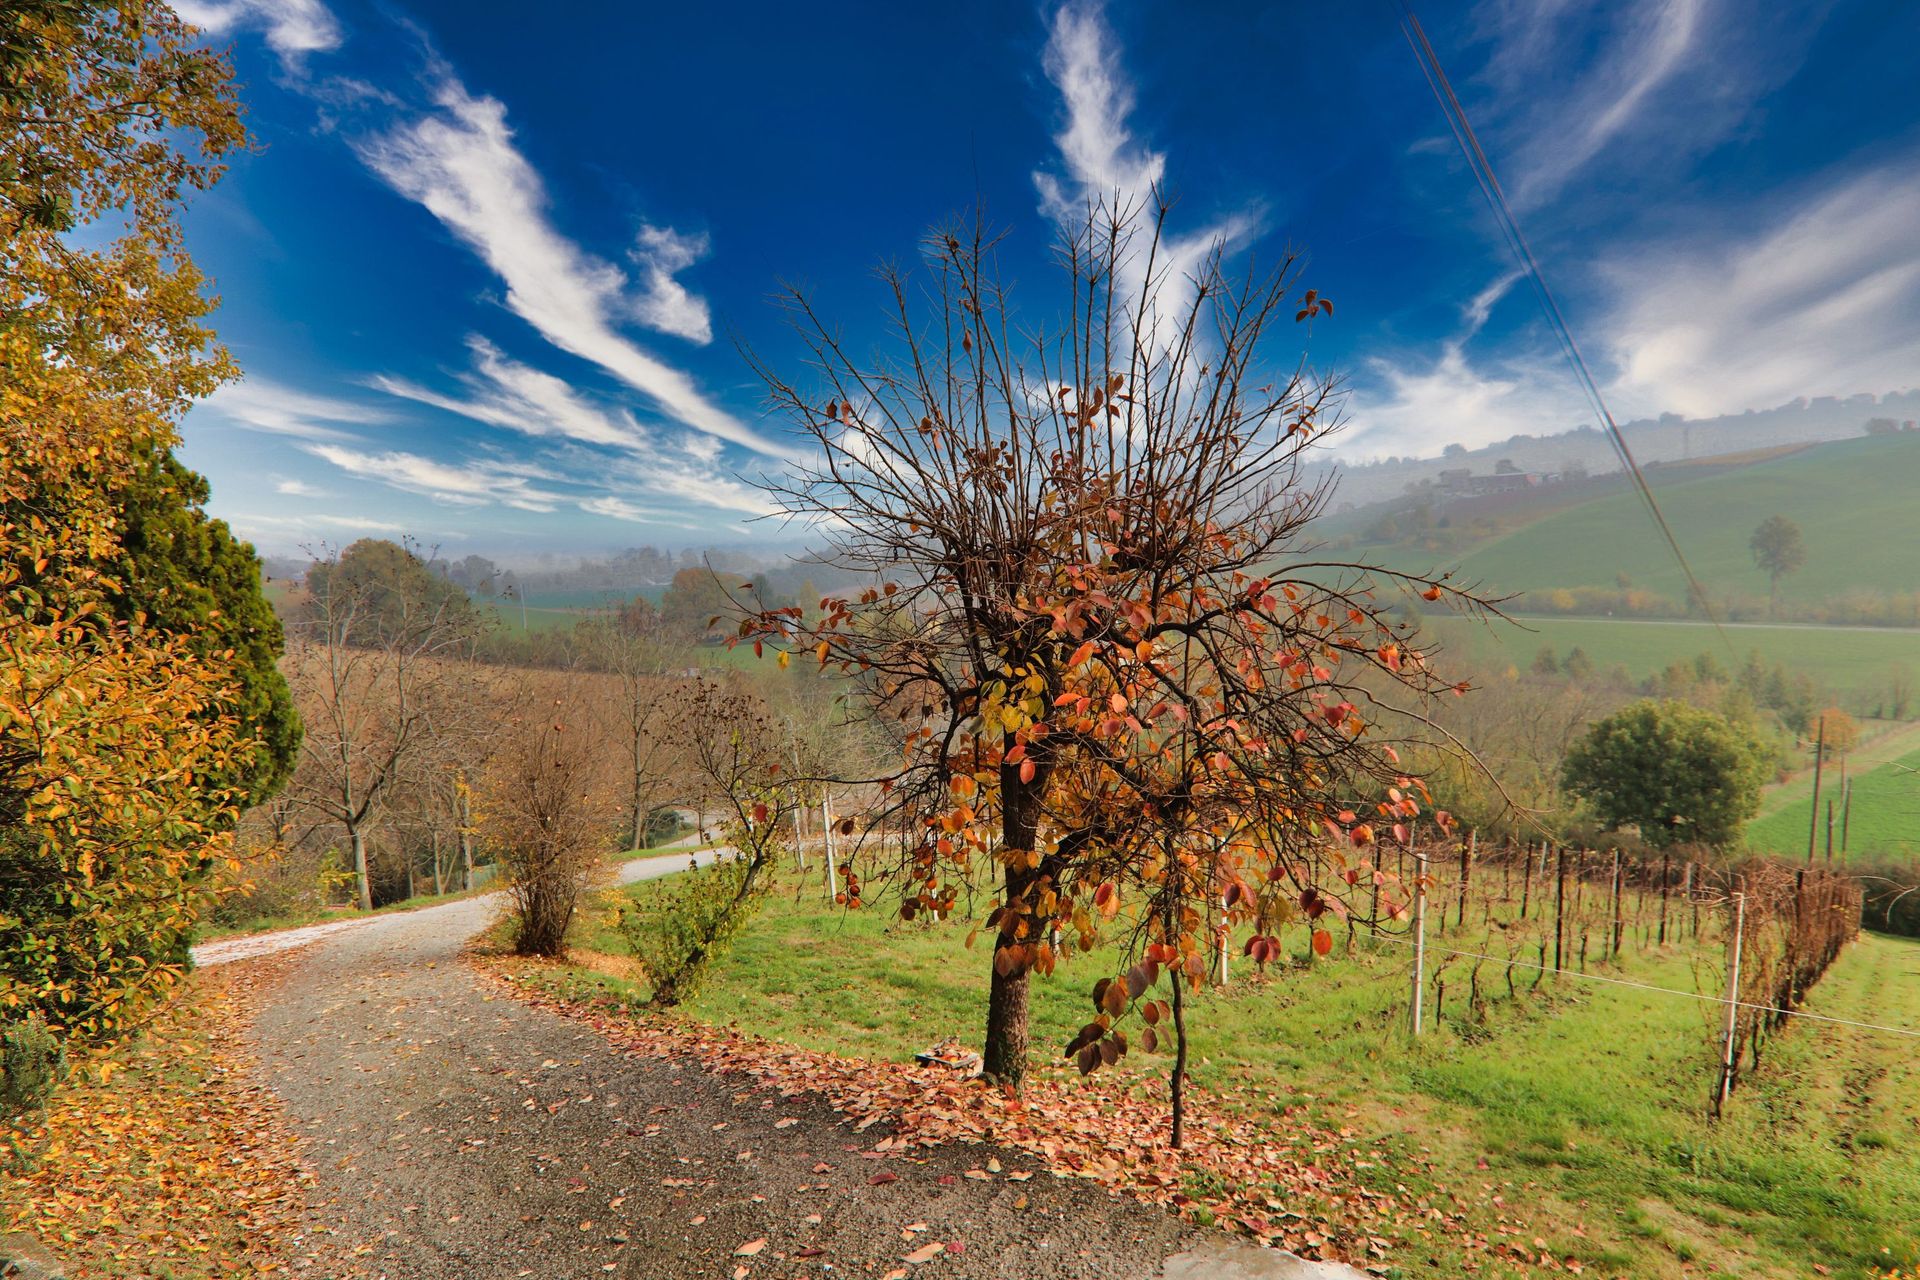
(363, 888)
(1177, 1082)
(1004, 1058)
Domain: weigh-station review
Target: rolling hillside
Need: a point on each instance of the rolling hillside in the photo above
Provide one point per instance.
(1853, 500)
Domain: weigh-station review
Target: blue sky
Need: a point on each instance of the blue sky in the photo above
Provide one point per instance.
(487, 272)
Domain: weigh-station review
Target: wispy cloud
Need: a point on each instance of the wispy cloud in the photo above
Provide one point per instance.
(459, 161)
(308, 522)
(299, 489)
(503, 392)
(662, 302)
(260, 404)
(1104, 165)
(1568, 113)
(1418, 408)
(466, 484)
(1824, 298)
(294, 28)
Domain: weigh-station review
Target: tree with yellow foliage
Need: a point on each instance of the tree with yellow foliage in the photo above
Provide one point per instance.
(123, 758)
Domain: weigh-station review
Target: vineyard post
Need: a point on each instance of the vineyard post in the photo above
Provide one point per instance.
(799, 812)
(1829, 830)
(1693, 896)
(1665, 867)
(1846, 811)
(1373, 915)
(1466, 871)
(826, 836)
(1559, 906)
(1526, 880)
(1733, 1001)
(1819, 760)
(1419, 936)
(1616, 905)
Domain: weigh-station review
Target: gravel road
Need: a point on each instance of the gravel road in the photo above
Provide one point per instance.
(456, 1132)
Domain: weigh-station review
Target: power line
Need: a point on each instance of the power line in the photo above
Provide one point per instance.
(1509, 225)
(1912, 1032)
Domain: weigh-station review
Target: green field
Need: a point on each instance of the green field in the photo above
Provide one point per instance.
(1860, 661)
(1885, 818)
(1852, 499)
(1583, 1107)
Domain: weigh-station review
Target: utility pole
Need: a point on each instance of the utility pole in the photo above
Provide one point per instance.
(1829, 830)
(1420, 937)
(1733, 1000)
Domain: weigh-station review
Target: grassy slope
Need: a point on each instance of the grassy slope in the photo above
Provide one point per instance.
(1851, 499)
(1886, 809)
(1853, 661)
(1588, 1105)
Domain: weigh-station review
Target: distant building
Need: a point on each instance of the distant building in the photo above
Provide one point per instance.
(1459, 482)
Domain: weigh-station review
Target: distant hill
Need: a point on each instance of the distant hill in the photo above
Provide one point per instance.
(1668, 438)
(1857, 503)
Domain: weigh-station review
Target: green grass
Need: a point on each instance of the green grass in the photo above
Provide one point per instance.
(1852, 500)
(1587, 1102)
(1859, 662)
(1886, 807)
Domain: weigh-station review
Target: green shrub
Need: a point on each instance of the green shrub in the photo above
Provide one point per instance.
(676, 933)
(31, 1064)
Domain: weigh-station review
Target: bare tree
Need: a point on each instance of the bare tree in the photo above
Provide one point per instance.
(549, 807)
(644, 661)
(369, 672)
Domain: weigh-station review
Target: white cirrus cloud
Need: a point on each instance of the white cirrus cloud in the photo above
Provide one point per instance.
(662, 302)
(460, 163)
(465, 484)
(1105, 166)
(1823, 298)
(294, 28)
(261, 404)
(503, 392)
(1646, 85)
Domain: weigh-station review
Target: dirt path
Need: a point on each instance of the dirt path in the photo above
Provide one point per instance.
(456, 1132)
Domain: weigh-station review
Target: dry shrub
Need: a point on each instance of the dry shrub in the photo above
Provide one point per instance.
(548, 809)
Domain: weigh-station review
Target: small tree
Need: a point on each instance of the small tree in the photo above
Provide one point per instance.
(1112, 665)
(1680, 774)
(1777, 550)
(734, 763)
(1838, 730)
(549, 808)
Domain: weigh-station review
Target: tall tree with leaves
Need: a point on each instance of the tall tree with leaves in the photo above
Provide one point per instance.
(1114, 665)
(1778, 550)
(185, 573)
(125, 749)
(1679, 774)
